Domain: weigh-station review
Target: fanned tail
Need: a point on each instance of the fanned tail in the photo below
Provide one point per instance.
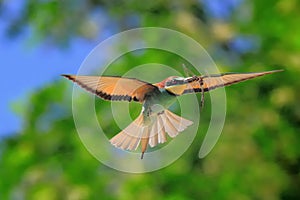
(153, 133)
(129, 138)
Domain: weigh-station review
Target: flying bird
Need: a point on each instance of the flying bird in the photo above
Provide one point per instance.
(155, 120)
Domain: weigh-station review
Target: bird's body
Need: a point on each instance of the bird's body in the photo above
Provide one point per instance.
(157, 97)
(155, 119)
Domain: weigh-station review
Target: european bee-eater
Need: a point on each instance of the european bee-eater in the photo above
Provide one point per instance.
(155, 119)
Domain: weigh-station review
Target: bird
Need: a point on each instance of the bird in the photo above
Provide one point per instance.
(155, 121)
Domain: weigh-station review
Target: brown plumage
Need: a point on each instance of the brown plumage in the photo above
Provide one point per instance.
(114, 88)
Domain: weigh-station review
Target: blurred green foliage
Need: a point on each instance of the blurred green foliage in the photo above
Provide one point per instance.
(257, 155)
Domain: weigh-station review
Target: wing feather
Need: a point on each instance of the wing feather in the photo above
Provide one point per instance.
(211, 82)
(114, 88)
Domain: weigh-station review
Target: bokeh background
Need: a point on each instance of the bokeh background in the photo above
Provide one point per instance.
(258, 153)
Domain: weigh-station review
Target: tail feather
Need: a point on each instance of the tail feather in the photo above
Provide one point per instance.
(171, 130)
(179, 123)
(154, 133)
(126, 142)
(153, 140)
(162, 137)
(176, 123)
(134, 143)
(145, 139)
(129, 138)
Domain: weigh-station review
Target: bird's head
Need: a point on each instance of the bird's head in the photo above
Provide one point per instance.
(173, 84)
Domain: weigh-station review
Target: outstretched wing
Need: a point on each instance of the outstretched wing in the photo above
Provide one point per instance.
(114, 88)
(210, 82)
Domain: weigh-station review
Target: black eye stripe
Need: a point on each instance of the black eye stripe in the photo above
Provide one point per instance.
(175, 82)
